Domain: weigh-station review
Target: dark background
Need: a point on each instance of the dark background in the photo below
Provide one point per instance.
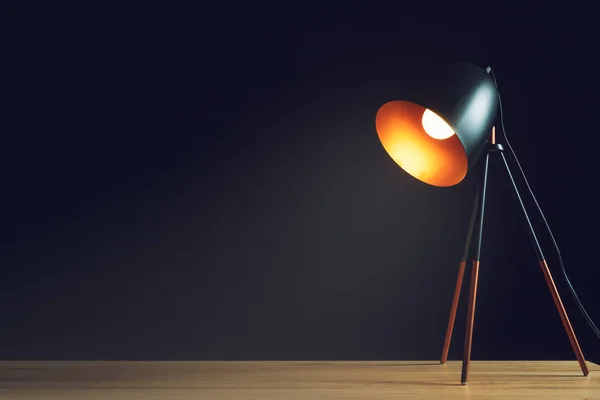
(208, 184)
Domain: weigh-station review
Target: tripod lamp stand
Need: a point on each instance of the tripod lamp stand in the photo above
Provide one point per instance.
(438, 133)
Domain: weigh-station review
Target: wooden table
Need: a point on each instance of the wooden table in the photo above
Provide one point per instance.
(296, 380)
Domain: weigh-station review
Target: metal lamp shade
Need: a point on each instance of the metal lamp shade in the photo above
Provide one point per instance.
(463, 96)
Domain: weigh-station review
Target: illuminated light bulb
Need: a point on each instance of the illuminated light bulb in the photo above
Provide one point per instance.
(435, 126)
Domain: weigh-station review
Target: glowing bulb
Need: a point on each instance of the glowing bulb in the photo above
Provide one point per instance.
(435, 126)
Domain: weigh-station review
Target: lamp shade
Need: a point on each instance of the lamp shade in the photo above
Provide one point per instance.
(438, 128)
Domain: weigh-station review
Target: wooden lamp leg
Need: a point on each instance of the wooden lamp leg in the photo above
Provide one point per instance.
(548, 276)
(474, 280)
(565, 319)
(459, 279)
(455, 298)
(470, 321)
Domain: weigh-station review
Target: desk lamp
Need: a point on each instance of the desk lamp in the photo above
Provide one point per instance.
(438, 132)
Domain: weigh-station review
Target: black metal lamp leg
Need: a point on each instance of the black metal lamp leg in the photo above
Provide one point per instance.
(459, 278)
(474, 277)
(548, 276)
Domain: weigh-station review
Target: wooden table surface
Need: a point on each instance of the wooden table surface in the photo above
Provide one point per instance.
(296, 380)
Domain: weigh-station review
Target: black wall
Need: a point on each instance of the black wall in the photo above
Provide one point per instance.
(208, 184)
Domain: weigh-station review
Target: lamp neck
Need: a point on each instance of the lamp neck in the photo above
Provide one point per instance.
(492, 146)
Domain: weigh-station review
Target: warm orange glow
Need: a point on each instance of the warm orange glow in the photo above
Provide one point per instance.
(436, 162)
(435, 126)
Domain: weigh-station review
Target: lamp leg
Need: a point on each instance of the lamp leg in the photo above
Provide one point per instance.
(459, 279)
(474, 279)
(549, 281)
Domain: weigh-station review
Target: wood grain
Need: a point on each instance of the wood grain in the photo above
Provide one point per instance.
(296, 380)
